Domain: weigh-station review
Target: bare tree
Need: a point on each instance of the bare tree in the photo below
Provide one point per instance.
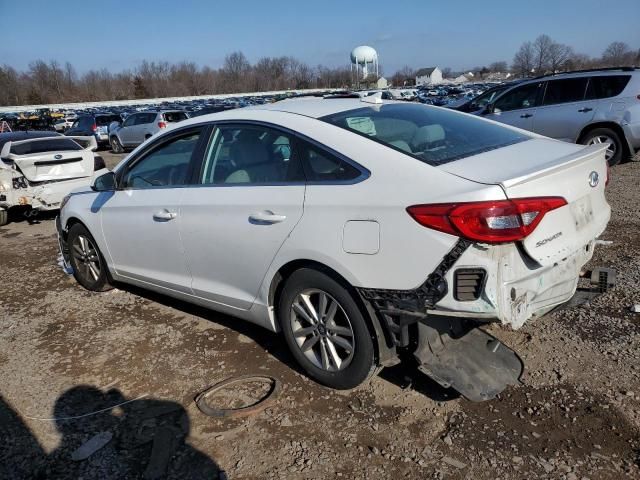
(618, 54)
(523, 60)
(541, 51)
(558, 55)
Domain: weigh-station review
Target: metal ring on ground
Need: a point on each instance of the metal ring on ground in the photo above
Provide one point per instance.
(257, 407)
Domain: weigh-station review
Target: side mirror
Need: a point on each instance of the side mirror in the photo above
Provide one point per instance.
(104, 183)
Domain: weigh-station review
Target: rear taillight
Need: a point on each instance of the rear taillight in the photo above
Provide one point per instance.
(162, 125)
(497, 221)
(94, 127)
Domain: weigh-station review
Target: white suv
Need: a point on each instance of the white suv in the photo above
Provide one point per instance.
(360, 229)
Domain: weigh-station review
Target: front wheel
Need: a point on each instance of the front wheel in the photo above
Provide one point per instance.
(325, 330)
(89, 267)
(607, 136)
(116, 146)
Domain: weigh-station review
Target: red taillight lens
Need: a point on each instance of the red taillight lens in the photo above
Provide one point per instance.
(497, 221)
(162, 125)
(94, 127)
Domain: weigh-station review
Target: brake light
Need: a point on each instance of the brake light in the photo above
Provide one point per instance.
(94, 127)
(496, 221)
(162, 125)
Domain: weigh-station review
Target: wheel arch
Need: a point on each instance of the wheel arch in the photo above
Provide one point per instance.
(612, 126)
(379, 332)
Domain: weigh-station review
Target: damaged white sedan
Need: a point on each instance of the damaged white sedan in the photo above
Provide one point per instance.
(38, 168)
(364, 231)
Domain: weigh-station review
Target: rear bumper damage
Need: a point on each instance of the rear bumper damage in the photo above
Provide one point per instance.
(438, 322)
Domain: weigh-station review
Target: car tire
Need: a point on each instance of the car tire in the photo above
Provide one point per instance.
(606, 135)
(328, 338)
(116, 146)
(89, 267)
(4, 217)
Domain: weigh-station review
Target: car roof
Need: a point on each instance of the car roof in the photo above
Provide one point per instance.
(24, 135)
(316, 107)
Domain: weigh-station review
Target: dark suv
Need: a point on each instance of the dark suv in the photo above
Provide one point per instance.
(95, 124)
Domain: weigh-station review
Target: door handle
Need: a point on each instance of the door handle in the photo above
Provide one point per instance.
(526, 115)
(266, 217)
(585, 109)
(164, 215)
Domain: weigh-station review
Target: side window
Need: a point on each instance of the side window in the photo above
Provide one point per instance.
(166, 165)
(520, 97)
(606, 86)
(565, 91)
(145, 118)
(321, 166)
(250, 155)
(131, 120)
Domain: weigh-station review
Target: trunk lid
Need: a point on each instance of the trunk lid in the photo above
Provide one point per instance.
(547, 168)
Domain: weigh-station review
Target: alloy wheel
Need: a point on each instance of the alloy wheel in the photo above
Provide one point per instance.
(322, 330)
(611, 147)
(86, 258)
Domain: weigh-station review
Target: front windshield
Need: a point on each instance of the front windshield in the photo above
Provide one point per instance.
(433, 135)
(486, 98)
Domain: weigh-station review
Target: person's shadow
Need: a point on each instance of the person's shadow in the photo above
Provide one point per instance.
(143, 438)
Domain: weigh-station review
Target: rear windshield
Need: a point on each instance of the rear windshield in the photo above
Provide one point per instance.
(104, 120)
(174, 116)
(40, 146)
(433, 135)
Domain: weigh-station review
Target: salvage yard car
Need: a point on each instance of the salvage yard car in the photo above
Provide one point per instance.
(37, 169)
(361, 230)
(138, 127)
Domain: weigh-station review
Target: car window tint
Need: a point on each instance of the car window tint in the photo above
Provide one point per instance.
(174, 116)
(41, 146)
(606, 86)
(145, 118)
(85, 122)
(430, 134)
(250, 155)
(565, 91)
(167, 165)
(131, 120)
(321, 166)
(520, 97)
(486, 98)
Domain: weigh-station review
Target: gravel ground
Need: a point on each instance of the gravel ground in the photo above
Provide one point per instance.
(65, 352)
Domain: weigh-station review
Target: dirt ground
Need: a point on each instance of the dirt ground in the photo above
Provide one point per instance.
(66, 352)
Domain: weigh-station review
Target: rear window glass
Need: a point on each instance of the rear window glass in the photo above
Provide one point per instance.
(49, 145)
(433, 135)
(174, 116)
(104, 120)
(564, 91)
(606, 86)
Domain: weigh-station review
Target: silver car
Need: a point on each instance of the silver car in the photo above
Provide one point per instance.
(138, 127)
(588, 107)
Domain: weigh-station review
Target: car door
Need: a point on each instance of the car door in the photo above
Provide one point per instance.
(564, 112)
(128, 126)
(141, 221)
(143, 126)
(250, 199)
(516, 107)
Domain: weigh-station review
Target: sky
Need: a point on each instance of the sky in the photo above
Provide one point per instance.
(461, 34)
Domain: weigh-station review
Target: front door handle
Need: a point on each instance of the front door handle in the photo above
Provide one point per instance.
(164, 215)
(526, 115)
(585, 109)
(266, 217)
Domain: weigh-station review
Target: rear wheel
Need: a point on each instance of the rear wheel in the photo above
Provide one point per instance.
(89, 267)
(116, 146)
(325, 330)
(599, 136)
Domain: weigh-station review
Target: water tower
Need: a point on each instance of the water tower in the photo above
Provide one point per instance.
(364, 62)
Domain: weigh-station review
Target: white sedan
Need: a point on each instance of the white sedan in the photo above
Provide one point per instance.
(357, 228)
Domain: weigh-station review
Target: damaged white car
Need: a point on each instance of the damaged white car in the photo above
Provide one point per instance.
(38, 168)
(365, 231)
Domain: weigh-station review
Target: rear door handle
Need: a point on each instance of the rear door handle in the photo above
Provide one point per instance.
(585, 109)
(266, 217)
(526, 115)
(164, 215)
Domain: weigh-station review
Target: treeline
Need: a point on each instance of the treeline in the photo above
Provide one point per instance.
(52, 82)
